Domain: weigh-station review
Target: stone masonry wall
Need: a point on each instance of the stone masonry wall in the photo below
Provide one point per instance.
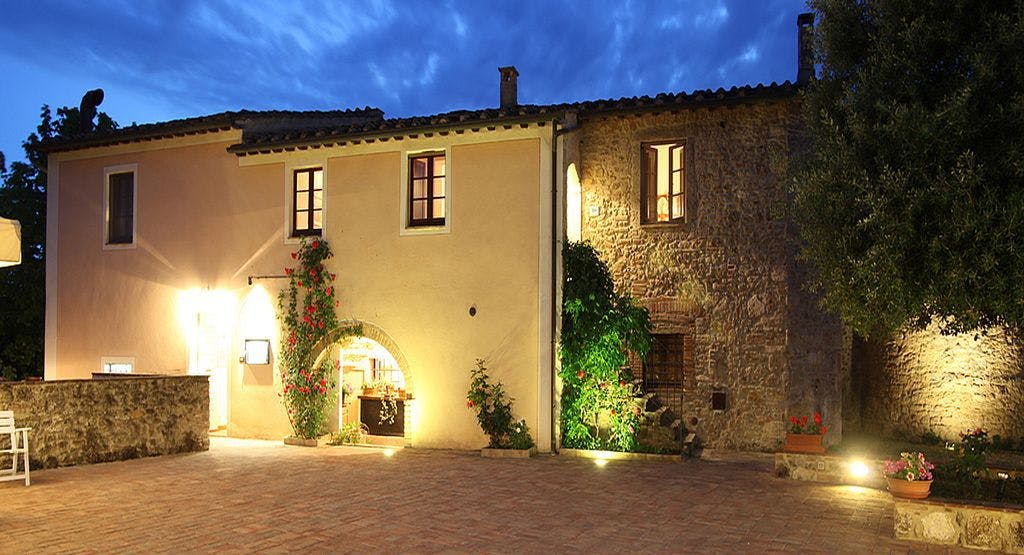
(90, 421)
(923, 381)
(727, 274)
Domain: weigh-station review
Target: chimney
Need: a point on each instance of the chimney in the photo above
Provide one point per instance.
(509, 75)
(87, 109)
(805, 47)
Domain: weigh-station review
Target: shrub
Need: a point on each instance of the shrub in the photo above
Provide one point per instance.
(599, 328)
(494, 412)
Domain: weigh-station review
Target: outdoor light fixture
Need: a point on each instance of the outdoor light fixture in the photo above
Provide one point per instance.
(257, 351)
(859, 470)
(601, 462)
(388, 452)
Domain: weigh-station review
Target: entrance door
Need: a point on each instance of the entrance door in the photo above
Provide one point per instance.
(210, 356)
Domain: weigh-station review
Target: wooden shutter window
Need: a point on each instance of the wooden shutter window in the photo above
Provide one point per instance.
(121, 208)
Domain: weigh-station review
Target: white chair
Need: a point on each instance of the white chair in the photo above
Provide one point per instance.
(17, 447)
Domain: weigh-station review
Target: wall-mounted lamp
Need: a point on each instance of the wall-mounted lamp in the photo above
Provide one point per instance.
(257, 351)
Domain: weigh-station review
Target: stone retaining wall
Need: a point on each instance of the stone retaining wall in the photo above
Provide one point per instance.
(90, 421)
(829, 469)
(947, 523)
(922, 381)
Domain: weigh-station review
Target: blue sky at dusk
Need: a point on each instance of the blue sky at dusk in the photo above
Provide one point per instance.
(166, 59)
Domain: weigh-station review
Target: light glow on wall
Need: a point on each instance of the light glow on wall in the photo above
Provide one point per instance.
(573, 204)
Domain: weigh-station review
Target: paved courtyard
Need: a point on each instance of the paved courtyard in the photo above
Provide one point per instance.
(245, 496)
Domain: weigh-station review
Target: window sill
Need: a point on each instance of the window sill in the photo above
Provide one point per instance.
(119, 246)
(678, 224)
(426, 230)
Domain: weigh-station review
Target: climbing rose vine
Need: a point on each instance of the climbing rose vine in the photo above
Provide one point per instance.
(306, 310)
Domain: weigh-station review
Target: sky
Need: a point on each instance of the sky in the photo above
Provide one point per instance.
(158, 60)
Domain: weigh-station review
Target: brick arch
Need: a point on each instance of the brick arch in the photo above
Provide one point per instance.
(370, 331)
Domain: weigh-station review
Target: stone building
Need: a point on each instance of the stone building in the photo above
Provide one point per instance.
(164, 242)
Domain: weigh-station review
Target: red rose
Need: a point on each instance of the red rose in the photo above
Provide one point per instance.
(817, 418)
(613, 412)
(580, 374)
(469, 404)
(622, 383)
(294, 256)
(334, 277)
(823, 430)
(287, 271)
(312, 272)
(793, 419)
(299, 283)
(316, 244)
(803, 420)
(329, 291)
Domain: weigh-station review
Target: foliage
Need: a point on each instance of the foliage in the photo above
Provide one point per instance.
(801, 426)
(968, 467)
(388, 409)
(911, 203)
(23, 287)
(599, 328)
(353, 432)
(306, 310)
(494, 411)
(910, 467)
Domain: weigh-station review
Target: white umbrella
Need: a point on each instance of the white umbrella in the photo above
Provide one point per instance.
(10, 242)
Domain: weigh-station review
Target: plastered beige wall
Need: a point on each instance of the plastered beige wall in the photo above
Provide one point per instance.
(207, 220)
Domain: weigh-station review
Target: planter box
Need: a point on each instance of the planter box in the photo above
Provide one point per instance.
(303, 442)
(618, 455)
(508, 453)
(804, 443)
(946, 522)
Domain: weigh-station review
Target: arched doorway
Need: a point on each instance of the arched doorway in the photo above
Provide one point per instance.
(371, 358)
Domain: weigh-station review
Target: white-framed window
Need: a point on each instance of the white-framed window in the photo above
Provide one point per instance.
(426, 192)
(117, 365)
(120, 206)
(305, 200)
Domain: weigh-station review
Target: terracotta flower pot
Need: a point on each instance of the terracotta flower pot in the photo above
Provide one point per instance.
(804, 443)
(913, 489)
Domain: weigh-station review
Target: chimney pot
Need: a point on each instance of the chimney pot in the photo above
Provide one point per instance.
(87, 109)
(509, 76)
(805, 47)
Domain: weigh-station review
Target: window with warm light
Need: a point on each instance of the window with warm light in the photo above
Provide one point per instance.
(120, 208)
(307, 202)
(427, 190)
(117, 365)
(663, 182)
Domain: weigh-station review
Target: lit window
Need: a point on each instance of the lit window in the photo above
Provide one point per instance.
(117, 367)
(426, 190)
(308, 202)
(663, 182)
(120, 228)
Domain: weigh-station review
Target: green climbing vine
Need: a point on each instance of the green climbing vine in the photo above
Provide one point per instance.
(599, 328)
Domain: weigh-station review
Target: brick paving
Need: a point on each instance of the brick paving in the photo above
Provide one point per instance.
(245, 496)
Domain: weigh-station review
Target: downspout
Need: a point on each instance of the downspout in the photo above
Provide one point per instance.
(556, 239)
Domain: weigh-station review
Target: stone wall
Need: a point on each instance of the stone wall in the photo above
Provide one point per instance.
(975, 526)
(923, 381)
(727, 275)
(90, 421)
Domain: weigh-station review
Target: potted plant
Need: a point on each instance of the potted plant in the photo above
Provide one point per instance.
(804, 436)
(506, 436)
(909, 476)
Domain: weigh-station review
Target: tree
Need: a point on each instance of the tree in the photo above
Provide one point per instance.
(23, 287)
(911, 201)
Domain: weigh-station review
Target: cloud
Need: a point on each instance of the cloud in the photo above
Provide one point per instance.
(409, 58)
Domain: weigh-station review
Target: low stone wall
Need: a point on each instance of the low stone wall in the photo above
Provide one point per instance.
(948, 523)
(829, 469)
(90, 421)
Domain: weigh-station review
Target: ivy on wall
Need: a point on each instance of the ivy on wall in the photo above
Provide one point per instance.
(599, 328)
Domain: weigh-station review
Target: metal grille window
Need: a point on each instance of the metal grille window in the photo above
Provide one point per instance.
(426, 190)
(121, 208)
(664, 363)
(308, 202)
(663, 182)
